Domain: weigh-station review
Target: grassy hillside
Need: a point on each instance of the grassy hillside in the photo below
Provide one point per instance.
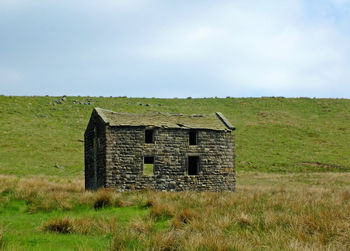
(286, 198)
(273, 134)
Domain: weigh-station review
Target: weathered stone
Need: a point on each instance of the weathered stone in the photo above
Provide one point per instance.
(114, 155)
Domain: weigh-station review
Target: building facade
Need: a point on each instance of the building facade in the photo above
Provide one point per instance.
(167, 152)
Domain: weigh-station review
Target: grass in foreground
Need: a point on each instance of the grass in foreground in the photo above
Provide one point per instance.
(268, 211)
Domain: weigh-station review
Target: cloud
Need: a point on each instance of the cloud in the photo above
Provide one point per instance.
(265, 46)
(158, 48)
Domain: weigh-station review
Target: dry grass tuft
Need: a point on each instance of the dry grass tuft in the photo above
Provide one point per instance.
(59, 225)
(86, 225)
(169, 240)
(187, 215)
(141, 226)
(8, 183)
(150, 202)
(345, 196)
(161, 210)
(123, 240)
(244, 220)
(104, 198)
(175, 223)
(63, 200)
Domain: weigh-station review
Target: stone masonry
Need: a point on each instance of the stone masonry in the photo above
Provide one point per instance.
(116, 150)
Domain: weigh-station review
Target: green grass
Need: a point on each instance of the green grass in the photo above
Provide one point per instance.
(23, 229)
(273, 134)
(148, 169)
(295, 211)
(293, 188)
(22, 217)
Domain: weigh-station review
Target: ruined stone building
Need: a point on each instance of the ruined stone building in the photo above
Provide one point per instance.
(159, 151)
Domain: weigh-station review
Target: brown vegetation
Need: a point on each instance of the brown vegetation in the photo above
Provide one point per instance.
(62, 226)
(293, 212)
(103, 199)
(87, 225)
(159, 210)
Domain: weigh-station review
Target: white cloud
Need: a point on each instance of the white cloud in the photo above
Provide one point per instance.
(266, 45)
(182, 43)
(201, 33)
(242, 47)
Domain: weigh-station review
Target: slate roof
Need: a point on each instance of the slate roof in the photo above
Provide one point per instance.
(215, 121)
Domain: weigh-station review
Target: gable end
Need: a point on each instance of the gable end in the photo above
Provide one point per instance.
(225, 121)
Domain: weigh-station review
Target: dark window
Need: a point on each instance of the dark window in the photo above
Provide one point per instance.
(149, 136)
(148, 165)
(193, 138)
(193, 165)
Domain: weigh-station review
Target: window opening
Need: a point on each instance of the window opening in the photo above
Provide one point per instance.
(193, 138)
(149, 137)
(193, 165)
(148, 165)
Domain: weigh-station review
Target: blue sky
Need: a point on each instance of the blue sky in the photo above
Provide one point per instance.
(150, 48)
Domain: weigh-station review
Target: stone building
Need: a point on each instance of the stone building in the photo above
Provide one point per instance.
(159, 151)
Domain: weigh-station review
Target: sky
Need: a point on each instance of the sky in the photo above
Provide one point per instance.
(157, 48)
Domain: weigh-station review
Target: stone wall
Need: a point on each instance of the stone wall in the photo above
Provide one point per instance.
(95, 153)
(125, 149)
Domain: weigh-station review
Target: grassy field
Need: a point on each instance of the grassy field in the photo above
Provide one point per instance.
(295, 211)
(293, 190)
(273, 134)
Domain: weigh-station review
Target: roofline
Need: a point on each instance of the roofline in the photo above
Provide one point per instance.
(221, 117)
(100, 113)
(167, 127)
(225, 121)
